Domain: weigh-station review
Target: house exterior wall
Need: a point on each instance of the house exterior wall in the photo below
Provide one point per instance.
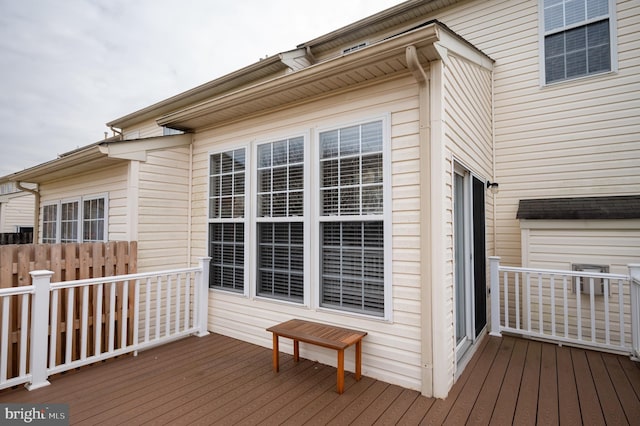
(16, 210)
(108, 180)
(393, 349)
(576, 138)
(144, 129)
(163, 209)
(466, 100)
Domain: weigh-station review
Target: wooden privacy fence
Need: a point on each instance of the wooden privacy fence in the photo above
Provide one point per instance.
(68, 262)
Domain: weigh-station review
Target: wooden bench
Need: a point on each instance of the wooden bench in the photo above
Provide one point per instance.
(318, 334)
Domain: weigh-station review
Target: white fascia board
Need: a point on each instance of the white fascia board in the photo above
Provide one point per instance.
(137, 149)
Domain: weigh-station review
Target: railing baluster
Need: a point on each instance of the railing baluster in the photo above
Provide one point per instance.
(592, 310)
(506, 299)
(124, 330)
(136, 311)
(97, 322)
(621, 319)
(5, 338)
(147, 318)
(53, 321)
(607, 327)
(540, 306)
(85, 322)
(23, 333)
(552, 289)
(70, 324)
(178, 282)
(167, 314)
(158, 304)
(187, 291)
(565, 302)
(579, 307)
(528, 299)
(112, 316)
(517, 282)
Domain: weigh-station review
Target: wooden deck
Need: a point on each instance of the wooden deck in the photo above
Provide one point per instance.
(219, 380)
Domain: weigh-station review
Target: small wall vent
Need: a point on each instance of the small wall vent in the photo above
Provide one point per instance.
(354, 48)
(585, 282)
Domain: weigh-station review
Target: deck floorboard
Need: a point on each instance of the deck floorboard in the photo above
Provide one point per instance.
(220, 380)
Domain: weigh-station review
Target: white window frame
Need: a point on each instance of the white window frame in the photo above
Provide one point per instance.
(253, 265)
(245, 219)
(542, 34)
(385, 217)
(80, 221)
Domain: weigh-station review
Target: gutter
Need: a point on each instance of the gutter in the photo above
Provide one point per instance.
(36, 212)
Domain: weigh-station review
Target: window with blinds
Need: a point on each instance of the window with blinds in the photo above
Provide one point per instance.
(577, 38)
(351, 223)
(280, 215)
(81, 220)
(227, 174)
(93, 222)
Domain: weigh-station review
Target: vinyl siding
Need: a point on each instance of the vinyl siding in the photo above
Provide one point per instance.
(109, 180)
(576, 138)
(16, 210)
(554, 244)
(145, 129)
(468, 141)
(163, 210)
(393, 348)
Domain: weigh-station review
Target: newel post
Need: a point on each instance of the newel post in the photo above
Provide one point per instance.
(494, 274)
(203, 297)
(634, 272)
(39, 329)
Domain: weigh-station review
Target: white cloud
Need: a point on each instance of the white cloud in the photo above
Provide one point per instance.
(68, 67)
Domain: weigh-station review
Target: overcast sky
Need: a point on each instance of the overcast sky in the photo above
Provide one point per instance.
(69, 66)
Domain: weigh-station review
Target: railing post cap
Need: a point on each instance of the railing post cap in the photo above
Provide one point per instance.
(41, 273)
(494, 257)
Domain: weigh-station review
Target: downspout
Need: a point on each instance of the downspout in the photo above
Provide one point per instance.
(116, 132)
(426, 324)
(36, 212)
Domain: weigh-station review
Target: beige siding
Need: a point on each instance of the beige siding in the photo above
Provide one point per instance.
(109, 180)
(467, 115)
(559, 244)
(16, 210)
(145, 129)
(577, 138)
(163, 210)
(393, 349)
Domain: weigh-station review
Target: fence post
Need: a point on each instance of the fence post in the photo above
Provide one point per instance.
(494, 275)
(634, 272)
(203, 297)
(39, 329)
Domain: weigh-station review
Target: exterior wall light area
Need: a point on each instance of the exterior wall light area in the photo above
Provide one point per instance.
(493, 187)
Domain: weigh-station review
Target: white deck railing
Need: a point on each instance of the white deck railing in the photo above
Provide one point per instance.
(101, 318)
(596, 310)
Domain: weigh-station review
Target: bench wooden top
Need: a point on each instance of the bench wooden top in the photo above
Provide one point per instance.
(324, 335)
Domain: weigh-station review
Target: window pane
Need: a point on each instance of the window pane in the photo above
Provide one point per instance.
(329, 144)
(553, 17)
(596, 8)
(93, 225)
(226, 249)
(352, 266)
(278, 179)
(342, 182)
(280, 260)
(227, 184)
(575, 11)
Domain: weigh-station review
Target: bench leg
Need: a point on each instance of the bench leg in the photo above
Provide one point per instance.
(296, 351)
(276, 351)
(340, 371)
(358, 359)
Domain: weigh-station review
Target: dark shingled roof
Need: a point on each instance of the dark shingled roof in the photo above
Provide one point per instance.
(616, 207)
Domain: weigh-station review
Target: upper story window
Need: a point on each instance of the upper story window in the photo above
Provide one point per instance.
(577, 38)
